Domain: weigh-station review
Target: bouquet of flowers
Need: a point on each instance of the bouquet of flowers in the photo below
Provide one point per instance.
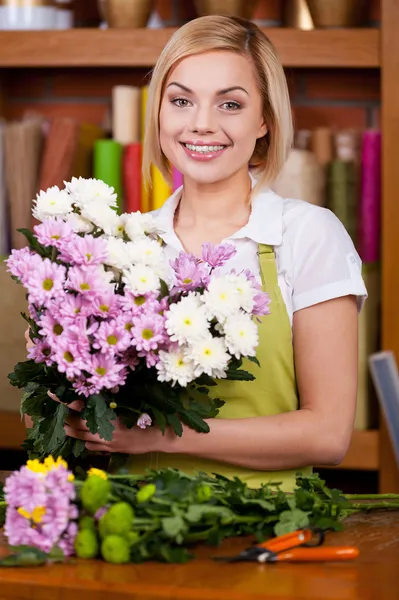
(49, 514)
(117, 327)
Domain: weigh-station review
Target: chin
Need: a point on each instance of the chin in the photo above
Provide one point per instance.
(203, 175)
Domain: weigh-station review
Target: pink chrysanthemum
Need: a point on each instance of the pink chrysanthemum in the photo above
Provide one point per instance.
(22, 262)
(85, 251)
(41, 352)
(50, 327)
(111, 337)
(148, 332)
(189, 272)
(86, 281)
(130, 359)
(144, 421)
(70, 307)
(217, 256)
(45, 282)
(137, 304)
(106, 372)
(68, 356)
(54, 232)
(106, 305)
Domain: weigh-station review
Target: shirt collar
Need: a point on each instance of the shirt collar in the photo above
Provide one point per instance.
(265, 223)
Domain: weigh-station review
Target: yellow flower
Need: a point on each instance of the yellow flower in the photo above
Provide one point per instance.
(113, 405)
(97, 472)
(71, 477)
(36, 466)
(36, 516)
(50, 463)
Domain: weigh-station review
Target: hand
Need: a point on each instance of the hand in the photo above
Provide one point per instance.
(124, 440)
(29, 343)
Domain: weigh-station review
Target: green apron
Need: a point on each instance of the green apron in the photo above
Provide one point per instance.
(274, 391)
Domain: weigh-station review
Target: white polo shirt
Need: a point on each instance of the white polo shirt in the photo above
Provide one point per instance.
(315, 256)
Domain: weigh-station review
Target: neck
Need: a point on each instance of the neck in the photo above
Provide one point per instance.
(220, 201)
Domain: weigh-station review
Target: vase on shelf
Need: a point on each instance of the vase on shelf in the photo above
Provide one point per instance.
(126, 14)
(27, 14)
(338, 13)
(234, 8)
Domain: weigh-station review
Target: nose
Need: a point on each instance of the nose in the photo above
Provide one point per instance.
(202, 120)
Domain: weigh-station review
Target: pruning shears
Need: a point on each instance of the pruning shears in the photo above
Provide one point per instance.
(298, 546)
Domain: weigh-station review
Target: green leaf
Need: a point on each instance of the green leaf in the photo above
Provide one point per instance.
(172, 526)
(174, 421)
(239, 375)
(160, 419)
(254, 360)
(34, 244)
(291, 520)
(197, 512)
(205, 380)
(53, 430)
(27, 557)
(99, 416)
(164, 289)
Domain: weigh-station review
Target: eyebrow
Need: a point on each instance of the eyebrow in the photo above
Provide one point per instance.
(219, 93)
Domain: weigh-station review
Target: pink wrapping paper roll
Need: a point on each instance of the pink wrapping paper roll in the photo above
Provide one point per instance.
(370, 197)
(177, 179)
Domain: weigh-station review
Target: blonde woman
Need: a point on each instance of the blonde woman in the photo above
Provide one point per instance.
(219, 111)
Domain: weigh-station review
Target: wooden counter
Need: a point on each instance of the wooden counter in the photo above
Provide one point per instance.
(374, 575)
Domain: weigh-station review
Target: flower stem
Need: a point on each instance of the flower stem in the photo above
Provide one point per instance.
(372, 496)
(375, 505)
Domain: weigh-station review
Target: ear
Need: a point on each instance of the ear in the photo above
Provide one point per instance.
(262, 130)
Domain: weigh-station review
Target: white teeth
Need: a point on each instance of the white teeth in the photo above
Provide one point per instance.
(204, 149)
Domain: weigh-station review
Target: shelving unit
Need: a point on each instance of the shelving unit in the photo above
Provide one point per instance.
(141, 47)
(336, 48)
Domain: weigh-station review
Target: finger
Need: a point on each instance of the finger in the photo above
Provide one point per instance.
(76, 405)
(93, 447)
(86, 436)
(27, 336)
(76, 422)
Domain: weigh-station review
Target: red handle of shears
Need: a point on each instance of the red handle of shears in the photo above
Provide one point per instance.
(327, 553)
(288, 540)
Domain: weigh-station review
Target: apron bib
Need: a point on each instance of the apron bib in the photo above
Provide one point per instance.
(273, 392)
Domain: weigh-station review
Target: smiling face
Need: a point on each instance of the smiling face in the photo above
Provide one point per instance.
(211, 116)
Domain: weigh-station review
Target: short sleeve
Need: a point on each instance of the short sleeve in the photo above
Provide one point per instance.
(325, 263)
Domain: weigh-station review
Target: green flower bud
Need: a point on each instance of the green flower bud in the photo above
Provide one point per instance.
(87, 523)
(146, 492)
(102, 528)
(204, 493)
(119, 519)
(115, 549)
(94, 493)
(133, 537)
(86, 544)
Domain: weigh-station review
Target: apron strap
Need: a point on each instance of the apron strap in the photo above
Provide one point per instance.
(268, 267)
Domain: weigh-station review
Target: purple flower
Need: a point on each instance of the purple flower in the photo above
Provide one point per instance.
(106, 372)
(151, 358)
(50, 327)
(69, 307)
(86, 250)
(25, 488)
(148, 332)
(144, 421)
(22, 262)
(87, 281)
(190, 273)
(41, 352)
(130, 358)
(46, 282)
(111, 337)
(54, 232)
(101, 512)
(68, 356)
(217, 256)
(84, 388)
(106, 305)
(137, 305)
(261, 304)
(67, 542)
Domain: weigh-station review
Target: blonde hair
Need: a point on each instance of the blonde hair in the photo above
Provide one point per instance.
(232, 34)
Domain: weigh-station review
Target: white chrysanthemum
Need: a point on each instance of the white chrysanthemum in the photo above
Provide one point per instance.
(137, 225)
(186, 320)
(78, 223)
(52, 203)
(85, 191)
(118, 253)
(209, 356)
(174, 366)
(108, 276)
(141, 279)
(103, 217)
(241, 335)
(245, 290)
(147, 252)
(222, 298)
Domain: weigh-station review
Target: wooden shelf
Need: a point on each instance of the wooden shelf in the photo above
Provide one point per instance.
(12, 430)
(363, 453)
(141, 47)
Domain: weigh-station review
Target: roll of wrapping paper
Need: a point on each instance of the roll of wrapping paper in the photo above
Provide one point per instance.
(301, 177)
(59, 152)
(177, 178)
(132, 177)
(108, 166)
(342, 193)
(160, 188)
(145, 190)
(126, 114)
(321, 144)
(370, 197)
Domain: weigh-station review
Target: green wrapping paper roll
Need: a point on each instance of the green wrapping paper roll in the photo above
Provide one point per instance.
(108, 166)
(342, 194)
